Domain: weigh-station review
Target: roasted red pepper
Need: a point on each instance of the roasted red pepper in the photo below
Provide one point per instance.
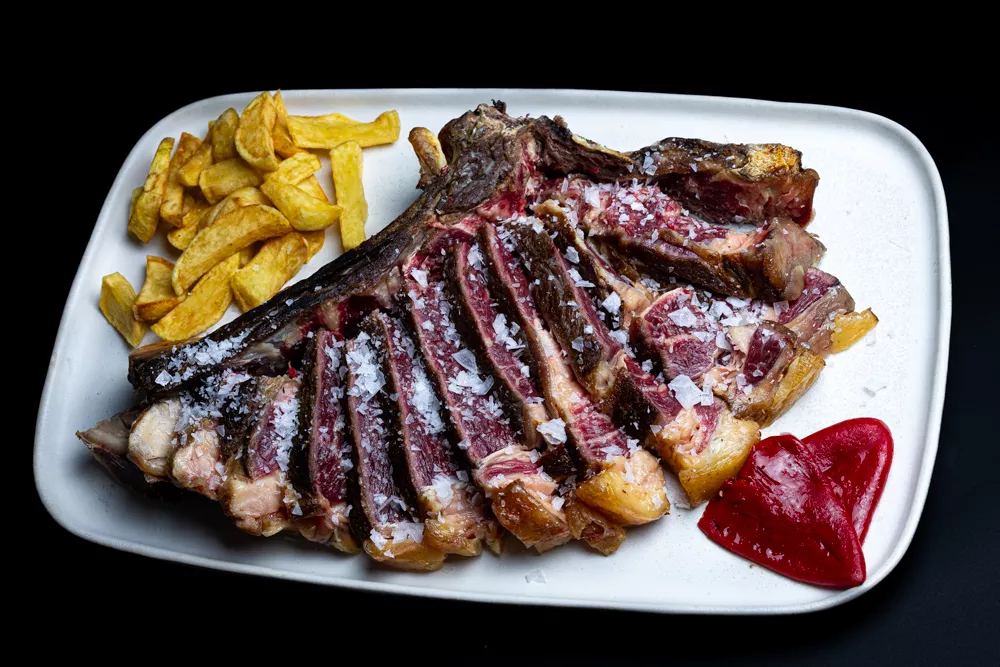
(802, 508)
(855, 455)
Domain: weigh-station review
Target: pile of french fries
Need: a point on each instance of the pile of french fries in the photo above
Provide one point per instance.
(246, 211)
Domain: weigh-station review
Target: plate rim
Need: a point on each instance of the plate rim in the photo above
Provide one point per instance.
(932, 431)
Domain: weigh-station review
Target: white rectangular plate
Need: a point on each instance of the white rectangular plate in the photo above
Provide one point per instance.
(880, 211)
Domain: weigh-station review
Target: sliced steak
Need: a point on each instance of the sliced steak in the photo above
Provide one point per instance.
(523, 496)
(732, 182)
(499, 343)
(568, 309)
(322, 449)
(811, 316)
(387, 524)
(606, 456)
(768, 262)
(455, 515)
(253, 493)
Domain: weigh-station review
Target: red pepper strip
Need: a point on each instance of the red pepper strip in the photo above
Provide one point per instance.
(780, 512)
(855, 455)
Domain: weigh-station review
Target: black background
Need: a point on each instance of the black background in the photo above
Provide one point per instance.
(939, 606)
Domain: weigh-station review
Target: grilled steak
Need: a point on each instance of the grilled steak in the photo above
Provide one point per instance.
(544, 309)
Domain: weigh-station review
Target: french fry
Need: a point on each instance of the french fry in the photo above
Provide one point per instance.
(204, 306)
(304, 212)
(254, 142)
(172, 204)
(306, 129)
(117, 302)
(181, 237)
(135, 197)
(157, 297)
(145, 214)
(229, 234)
(295, 169)
(428, 149)
(345, 162)
(192, 216)
(274, 264)
(314, 241)
(224, 136)
(283, 144)
(332, 130)
(312, 187)
(201, 159)
(248, 196)
(222, 178)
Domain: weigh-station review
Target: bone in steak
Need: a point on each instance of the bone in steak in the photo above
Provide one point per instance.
(266, 416)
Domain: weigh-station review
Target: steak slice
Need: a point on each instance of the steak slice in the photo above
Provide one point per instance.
(732, 182)
(608, 460)
(456, 518)
(768, 262)
(811, 316)
(569, 310)
(253, 491)
(495, 341)
(321, 457)
(588, 268)
(387, 524)
(523, 496)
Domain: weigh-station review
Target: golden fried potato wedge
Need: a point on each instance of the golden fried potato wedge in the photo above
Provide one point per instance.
(181, 237)
(248, 196)
(428, 149)
(314, 129)
(172, 204)
(224, 136)
(295, 169)
(229, 234)
(345, 162)
(194, 213)
(254, 142)
(131, 204)
(330, 132)
(204, 306)
(146, 212)
(189, 172)
(222, 178)
(629, 493)
(312, 187)
(157, 297)
(849, 328)
(314, 241)
(117, 302)
(283, 144)
(304, 212)
(274, 264)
